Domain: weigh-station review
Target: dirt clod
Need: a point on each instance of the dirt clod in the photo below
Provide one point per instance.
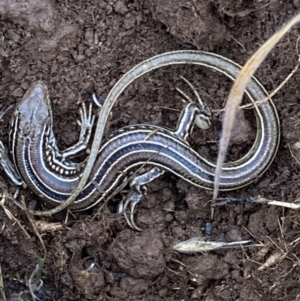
(140, 255)
(208, 267)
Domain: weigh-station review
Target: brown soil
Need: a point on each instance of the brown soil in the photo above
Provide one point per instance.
(80, 47)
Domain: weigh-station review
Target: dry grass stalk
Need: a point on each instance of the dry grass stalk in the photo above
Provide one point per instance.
(237, 91)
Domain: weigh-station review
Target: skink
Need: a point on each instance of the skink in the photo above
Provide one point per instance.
(52, 175)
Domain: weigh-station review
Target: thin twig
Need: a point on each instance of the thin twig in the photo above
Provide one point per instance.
(293, 155)
(2, 285)
(35, 230)
(10, 215)
(36, 276)
(258, 102)
(260, 200)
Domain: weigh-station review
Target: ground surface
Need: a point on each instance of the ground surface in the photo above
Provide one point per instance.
(79, 47)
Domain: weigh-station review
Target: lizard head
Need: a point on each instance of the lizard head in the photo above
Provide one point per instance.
(34, 112)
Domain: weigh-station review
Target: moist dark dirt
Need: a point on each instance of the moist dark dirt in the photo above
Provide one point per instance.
(81, 47)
